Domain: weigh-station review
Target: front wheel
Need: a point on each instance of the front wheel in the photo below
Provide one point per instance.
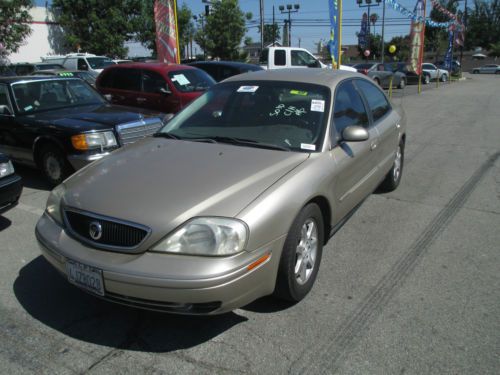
(444, 78)
(427, 79)
(377, 81)
(402, 83)
(54, 165)
(393, 178)
(301, 256)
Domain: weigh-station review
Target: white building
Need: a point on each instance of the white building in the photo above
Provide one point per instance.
(45, 38)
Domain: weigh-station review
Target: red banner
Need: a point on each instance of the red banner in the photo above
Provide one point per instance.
(417, 38)
(167, 40)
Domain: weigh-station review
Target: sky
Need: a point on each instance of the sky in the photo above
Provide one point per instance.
(311, 23)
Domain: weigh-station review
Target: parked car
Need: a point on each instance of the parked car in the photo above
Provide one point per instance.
(411, 77)
(88, 77)
(220, 70)
(233, 199)
(381, 75)
(81, 61)
(10, 184)
(435, 73)
(488, 68)
(292, 57)
(60, 124)
(162, 87)
(7, 71)
(24, 69)
(455, 66)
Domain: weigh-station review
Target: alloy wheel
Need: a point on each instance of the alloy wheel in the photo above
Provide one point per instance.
(306, 251)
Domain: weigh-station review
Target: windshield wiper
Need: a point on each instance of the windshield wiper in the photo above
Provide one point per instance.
(249, 142)
(165, 135)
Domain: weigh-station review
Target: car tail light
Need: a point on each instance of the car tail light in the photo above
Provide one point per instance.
(364, 71)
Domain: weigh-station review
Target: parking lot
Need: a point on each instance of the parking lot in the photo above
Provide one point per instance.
(410, 285)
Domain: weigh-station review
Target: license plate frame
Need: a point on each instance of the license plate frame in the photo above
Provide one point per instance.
(85, 277)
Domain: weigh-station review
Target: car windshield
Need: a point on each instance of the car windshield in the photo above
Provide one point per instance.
(269, 114)
(41, 95)
(190, 80)
(99, 62)
(362, 66)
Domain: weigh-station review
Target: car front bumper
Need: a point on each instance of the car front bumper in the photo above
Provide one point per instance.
(79, 161)
(10, 191)
(126, 281)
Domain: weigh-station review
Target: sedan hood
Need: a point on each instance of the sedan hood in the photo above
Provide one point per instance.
(91, 117)
(162, 183)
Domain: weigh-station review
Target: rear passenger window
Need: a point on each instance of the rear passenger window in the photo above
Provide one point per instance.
(279, 57)
(127, 79)
(348, 109)
(153, 82)
(377, 102)
(107, 79)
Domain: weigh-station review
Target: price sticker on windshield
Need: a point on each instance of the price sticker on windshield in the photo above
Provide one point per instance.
(181, 79)
(317, 105)
(248, 88)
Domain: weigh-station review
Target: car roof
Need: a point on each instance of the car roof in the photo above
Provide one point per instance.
(10, 80)
(158, 67)
(323, 77)
(235, 64)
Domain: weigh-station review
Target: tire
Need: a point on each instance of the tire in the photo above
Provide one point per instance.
(54, 165)
(444, 78)
(402, 84)
(427, 79)
(475, 72)
(377, 81)
(393, 178)
(304, 243)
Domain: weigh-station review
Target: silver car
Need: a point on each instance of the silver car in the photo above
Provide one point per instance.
(233, 199)
(489, 68)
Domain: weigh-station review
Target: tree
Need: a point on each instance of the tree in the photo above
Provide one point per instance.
(483, 24)
(14, 25)
(436, 38)
(185, 25)
(271, 33)
(495, 49)
(222, 30)
(374, 42)
(97, 26)
(144, 25)
(373, 19)
(402, 44)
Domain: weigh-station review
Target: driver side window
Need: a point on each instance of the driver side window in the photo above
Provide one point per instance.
(5, 107)
(348, 110)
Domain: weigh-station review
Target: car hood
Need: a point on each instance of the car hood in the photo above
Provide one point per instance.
(91, 117)
(162, 183)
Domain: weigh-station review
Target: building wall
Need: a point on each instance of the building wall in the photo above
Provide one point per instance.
(45, 39)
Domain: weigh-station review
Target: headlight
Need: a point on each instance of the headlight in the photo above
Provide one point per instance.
(210, 236)
(53, 208)
(6, 169)
(91, 141)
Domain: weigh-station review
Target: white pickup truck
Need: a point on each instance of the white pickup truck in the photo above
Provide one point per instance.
(292, 57)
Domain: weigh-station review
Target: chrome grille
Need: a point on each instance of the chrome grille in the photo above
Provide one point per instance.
(133, 131)
(115, 234)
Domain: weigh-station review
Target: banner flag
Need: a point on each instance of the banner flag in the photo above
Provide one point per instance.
(417, 32)
(363, 33)
(449, 51)
(333, 44)
(167, 39)
(415, 17)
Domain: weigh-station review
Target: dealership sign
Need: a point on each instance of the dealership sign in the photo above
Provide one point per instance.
(167, 40)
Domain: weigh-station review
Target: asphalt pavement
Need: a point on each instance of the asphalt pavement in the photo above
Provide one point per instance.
(409, 285)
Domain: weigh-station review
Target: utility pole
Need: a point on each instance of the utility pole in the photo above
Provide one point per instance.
(261, 25)
(274, 29)
(382, 50)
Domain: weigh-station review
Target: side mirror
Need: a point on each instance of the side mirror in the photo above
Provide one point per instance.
(164, 91)
(355, 133)
(4, 110)
(108, 97)
(314, 64)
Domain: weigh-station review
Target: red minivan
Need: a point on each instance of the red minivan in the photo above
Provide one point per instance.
(158, 86)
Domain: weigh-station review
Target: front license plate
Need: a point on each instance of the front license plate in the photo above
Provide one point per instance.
(84, 276)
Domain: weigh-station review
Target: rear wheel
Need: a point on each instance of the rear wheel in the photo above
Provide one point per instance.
(377, 81)
(475, 71)
(444, 78)
(393, 178)
(402, 83)
(54, 165)
(427, 79)
(301, 255)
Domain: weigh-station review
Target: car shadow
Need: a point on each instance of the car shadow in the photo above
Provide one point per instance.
(50, 299)
(4, 223)
(268, 304)
(32, 178)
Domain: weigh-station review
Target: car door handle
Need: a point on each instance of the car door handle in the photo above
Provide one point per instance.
(398, 125)
(373, 146)
(141, 100)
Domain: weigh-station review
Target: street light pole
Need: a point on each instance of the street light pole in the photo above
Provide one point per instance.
(262, 25)
(369, 5)
(289, 10)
